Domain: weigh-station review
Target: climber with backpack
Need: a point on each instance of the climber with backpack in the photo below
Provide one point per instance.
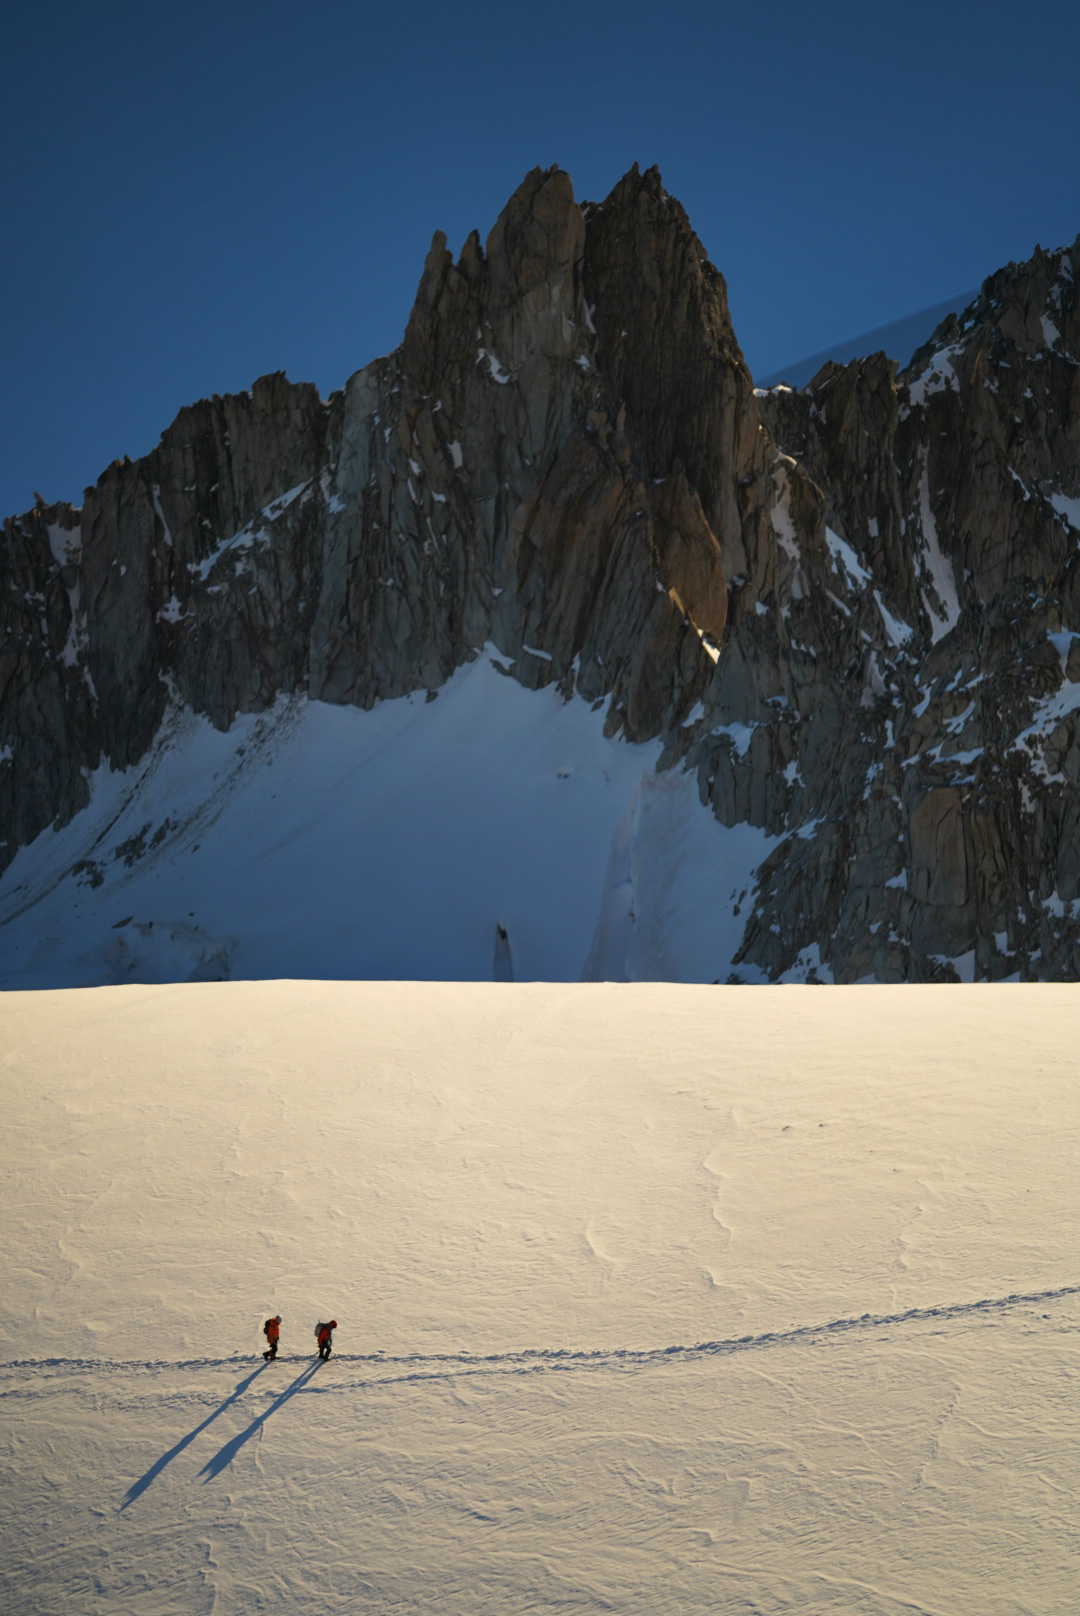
(323, 1335)
(272, 1330)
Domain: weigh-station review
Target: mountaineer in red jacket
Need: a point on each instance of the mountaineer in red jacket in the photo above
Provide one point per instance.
(324, 1337)
(272, 1330)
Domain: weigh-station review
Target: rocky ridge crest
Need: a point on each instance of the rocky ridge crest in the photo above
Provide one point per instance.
(847, 609)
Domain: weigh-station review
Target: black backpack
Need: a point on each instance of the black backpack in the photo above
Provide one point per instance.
(266, 1328)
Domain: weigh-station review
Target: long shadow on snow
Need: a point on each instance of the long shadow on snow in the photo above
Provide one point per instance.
(227, 1454)
(137, 1488)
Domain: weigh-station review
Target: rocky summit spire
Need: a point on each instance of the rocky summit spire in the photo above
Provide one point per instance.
(848, 611)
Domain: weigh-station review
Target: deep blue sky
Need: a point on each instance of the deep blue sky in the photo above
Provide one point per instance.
(193, 194)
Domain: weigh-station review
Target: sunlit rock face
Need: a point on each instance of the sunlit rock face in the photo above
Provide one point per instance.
(846, 613)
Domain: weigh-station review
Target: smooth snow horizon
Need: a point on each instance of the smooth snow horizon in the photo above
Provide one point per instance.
(324, 841)
(650, 1298)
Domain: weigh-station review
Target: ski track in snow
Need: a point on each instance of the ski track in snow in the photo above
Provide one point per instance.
(592, 1395)
(450, 1363)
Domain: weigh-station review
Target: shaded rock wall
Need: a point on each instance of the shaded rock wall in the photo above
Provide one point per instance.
(955, 484)
(847, 609)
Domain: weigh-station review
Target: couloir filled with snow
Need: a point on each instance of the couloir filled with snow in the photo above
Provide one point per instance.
(324, 841)
(653, 1298)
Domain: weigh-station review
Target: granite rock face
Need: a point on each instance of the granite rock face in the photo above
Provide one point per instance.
(956, 484)
(847, 609)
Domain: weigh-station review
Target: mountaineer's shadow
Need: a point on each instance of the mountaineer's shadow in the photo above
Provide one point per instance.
(137, 1488)
(227, 1454)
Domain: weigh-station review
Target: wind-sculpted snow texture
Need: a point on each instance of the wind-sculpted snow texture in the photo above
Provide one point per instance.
(845, 613)
(638, 1309)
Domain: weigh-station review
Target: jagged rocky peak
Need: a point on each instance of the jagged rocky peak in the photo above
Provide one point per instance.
(520, 298)
(970, 446)
(1032, 305)
(845, 613)
(689, 397)
(501, 476)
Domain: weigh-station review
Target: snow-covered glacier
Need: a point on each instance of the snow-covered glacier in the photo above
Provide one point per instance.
(651, 1299)
(323, 841)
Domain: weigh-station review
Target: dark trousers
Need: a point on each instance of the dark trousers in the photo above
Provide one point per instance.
(324, 1349)
(271, 1351)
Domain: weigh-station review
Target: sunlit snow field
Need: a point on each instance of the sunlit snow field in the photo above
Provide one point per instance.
(659, 1298)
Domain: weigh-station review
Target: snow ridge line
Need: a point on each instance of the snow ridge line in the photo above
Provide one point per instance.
(583, 1357)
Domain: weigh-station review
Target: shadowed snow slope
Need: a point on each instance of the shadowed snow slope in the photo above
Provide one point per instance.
(652, 1299)
(324, 841)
